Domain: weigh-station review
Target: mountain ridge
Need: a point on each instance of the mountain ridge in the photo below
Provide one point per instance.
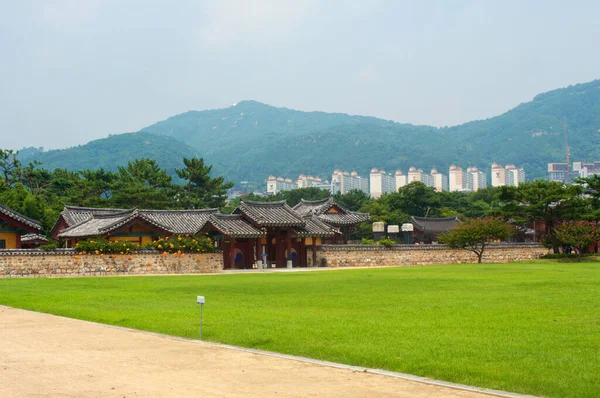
(250, 140)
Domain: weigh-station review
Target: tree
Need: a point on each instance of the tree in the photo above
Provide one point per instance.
(474, 234)
(353, 200)
(201, 189)
(544, 200)
(578, 234)
(10, 166)
(142, 183)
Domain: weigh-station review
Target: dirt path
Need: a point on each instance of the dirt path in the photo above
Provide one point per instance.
(43, 355)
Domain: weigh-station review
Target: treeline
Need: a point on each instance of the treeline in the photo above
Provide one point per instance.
(42, 194)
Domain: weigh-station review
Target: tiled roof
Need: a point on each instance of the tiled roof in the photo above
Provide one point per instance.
(87, 221)
(349, 218)
(307, 207)
(315, 228)
(233, 225)
(270, 214)
(434, 225)
(321, 208)
(29, 222)
(33, 238)
(180, 221)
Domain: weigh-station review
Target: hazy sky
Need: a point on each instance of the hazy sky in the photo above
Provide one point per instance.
(75, 70)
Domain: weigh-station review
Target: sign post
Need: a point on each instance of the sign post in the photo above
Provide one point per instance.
(200, 300)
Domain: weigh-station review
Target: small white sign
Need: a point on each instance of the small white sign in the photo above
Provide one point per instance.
(200, 299)
(393, 229)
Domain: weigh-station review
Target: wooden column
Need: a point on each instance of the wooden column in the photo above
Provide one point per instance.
(288, 243)
(226, 254)
(302, 254)
(18, 240)
(314, 251)
(231, 251)
(279, 255)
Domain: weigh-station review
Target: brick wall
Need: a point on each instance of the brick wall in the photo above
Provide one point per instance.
(15, 264)
(405, 255)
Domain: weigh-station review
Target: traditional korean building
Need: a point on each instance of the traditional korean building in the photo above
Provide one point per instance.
(334, 215)
(13, 225)
(266, 231)
(33, 241)
(427, 230)
(137, 226)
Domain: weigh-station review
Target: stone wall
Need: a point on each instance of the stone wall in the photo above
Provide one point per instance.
(410, 255)
(32, 263)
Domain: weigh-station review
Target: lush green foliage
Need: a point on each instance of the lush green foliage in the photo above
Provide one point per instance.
(251, 140)
(525, 327)
(386, 242)
(474, 234)
(578, 234)
(183, 244)
(103, 246)
(41, 194)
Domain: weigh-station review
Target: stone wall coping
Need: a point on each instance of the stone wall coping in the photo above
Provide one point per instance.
(505, 245)
(68, 252)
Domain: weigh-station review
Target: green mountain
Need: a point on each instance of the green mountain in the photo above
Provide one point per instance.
(114, 151)
(250, 140)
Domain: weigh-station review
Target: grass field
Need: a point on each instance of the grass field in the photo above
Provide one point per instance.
(523, 327)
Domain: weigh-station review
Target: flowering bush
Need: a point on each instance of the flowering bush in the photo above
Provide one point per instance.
(103, 246)
(183, 243)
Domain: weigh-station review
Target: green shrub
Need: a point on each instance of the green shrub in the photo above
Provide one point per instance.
(103, 246)
(387, 242)
(52, 245)
(184, 244)
(366, 241)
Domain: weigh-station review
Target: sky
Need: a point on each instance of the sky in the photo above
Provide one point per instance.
(72, 71)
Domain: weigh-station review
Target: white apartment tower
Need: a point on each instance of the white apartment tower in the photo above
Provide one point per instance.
(514, 176)
(475, 179)
(498, 175)
(350, 181)
(381, 183)
(440, 181)
(278, 184)
(400, 179)
(456, 179)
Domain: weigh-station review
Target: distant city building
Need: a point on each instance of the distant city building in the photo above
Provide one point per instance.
(514, 176)
(310, 181)
(507, 176)
(381, 183)
(350, 181)
(400, 179)
(440, 181)
(475, 179)
(498, 175)
(457, 179)
(279, 184)
(558, 172)
(586, 169)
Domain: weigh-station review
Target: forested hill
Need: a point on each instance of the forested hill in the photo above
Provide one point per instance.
(251, 140)
(114, 151)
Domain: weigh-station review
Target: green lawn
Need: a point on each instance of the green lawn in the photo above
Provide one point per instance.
(523, 327)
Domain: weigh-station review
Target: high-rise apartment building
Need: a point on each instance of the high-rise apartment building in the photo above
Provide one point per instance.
(400, 179)
(350, 181)
(278, 184)
(456, 178)
(475, 179)
(498, 175)
(440, 181)
(513, 175)
(381, 183)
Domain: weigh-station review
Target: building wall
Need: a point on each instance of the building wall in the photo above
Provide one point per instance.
(10, 238)
(376, 256)
(51, 264)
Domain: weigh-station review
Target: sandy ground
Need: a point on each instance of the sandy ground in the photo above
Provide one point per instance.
(43, 355)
